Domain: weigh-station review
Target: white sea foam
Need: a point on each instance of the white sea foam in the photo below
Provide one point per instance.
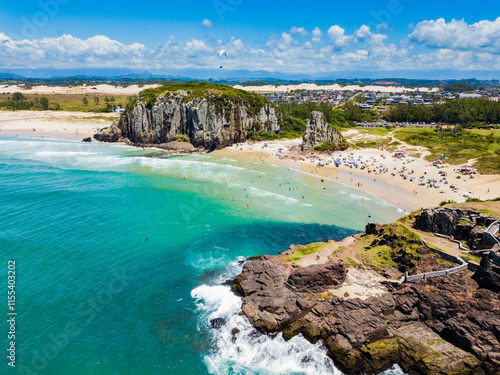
(264, 193)
(251, 352)
(357, 197)
(44, 154)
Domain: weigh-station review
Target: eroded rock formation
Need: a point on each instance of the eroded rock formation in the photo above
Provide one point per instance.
(436, 326)
(465, 225)
(318, 132)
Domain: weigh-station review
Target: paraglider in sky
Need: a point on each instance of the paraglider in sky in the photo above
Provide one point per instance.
(222, 52)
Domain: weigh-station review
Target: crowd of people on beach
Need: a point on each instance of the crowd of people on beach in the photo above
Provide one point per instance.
(435, 175)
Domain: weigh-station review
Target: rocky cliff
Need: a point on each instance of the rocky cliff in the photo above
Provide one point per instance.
(211, 116)
(462, 224)
(320, 133)
(447, 325)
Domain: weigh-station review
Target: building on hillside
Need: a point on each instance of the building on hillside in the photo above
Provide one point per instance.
(469, 96)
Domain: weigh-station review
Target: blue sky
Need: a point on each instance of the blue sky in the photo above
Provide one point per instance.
(287, 36)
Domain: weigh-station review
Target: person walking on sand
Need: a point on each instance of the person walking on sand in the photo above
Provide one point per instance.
(318, 256)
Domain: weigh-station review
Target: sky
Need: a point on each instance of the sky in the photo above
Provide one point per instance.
(160, 37)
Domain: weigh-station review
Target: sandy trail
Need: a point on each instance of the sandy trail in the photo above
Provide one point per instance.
(327, 251)
(360, 283)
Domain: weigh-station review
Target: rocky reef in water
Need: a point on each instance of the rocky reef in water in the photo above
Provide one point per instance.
(442, 325)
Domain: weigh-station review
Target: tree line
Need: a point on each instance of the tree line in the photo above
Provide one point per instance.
(18, 101)
(466, 112)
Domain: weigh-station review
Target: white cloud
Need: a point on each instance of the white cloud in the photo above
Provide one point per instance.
(377, 38)
(317, 35)
(236, 44)
(383, 26)
(196, 45)
(358, 55)
(457, 34)
(361, 50)
(337, 36)
(363, 32)
(298, 30)
(207, 23)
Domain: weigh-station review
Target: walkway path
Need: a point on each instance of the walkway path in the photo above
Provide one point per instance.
(328, 250)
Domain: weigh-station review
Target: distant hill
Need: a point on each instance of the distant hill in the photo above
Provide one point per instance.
(10, 76)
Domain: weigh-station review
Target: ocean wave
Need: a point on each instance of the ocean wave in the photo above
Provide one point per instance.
(359, 197)
(265, 193)
(248, 351)
(63, 153)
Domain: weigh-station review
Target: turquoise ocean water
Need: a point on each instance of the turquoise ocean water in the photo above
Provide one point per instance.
(121, 254)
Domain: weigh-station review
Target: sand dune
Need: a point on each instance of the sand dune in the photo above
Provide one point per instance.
(335, 87)
(84, 89)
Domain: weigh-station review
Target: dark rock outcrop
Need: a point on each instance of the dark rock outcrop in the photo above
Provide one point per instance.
(111, 134)
(318, 131)
(87, 139)
(435, 326)
(488, 273)
(318, 277)
(464, 225)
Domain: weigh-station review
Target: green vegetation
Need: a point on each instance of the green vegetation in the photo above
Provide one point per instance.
(352, 263)
(444, 203)
(444, 261)
(222, 97)
(404, 247)
(459, 146)
(352, 112)
(63, 102)
(474, 258)
(375, 143)
(303, 112)
(459, 87)
(182, 138)
(303, 251)
(327, 146)
(466, 112)
(18, 101)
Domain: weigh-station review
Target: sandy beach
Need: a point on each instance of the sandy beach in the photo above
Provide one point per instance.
(135, 89)
(41, 123)
(335, 87)
(390, 186)
(83, 89)
(394, 189)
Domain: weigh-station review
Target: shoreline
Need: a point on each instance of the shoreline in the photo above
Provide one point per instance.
(54, 123)
(395, 190)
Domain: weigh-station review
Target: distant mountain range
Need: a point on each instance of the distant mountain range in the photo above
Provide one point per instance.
(239, 76)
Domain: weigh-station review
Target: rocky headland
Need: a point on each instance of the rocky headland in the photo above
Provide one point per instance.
(441, 325)
(209, 117)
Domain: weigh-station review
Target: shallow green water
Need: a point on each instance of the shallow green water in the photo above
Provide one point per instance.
(112, 246)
